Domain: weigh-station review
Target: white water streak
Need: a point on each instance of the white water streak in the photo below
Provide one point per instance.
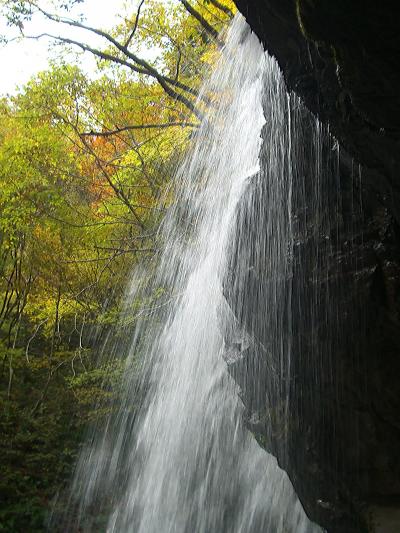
(188, 464)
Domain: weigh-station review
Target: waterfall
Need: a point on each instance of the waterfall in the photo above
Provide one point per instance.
(186, 461)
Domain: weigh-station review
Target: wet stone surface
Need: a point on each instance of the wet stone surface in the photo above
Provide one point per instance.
(331, 411)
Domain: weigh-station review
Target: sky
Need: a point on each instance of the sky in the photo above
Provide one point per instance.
(21, 59)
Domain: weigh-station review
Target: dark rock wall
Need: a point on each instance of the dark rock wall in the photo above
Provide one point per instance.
(335, 422)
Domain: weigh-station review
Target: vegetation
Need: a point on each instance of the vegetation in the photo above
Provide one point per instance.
(85, 169)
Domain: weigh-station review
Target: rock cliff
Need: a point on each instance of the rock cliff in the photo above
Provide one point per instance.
(339, 437)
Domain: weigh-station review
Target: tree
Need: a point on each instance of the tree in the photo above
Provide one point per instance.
(85, 173)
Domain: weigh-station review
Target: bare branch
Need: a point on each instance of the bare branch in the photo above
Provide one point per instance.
(199, 17)
(91, 260)
(131, 35)
(33, 336)
(178, 63)
(143, 68)
(164, 82)
(140, 127)
(120, 251)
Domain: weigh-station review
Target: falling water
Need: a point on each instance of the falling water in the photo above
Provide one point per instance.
(185, 462)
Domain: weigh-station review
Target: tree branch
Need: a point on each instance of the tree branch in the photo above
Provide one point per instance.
(131, 35)
(144, 66)
(199, 17)
(139, 127)
(163, 81)
(223, 8)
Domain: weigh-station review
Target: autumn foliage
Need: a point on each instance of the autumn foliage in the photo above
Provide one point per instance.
(85, 171)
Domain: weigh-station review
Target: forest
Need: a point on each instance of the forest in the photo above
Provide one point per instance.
(87, 162)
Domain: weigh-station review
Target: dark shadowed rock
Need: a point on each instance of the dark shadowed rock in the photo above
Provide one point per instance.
(333, 417)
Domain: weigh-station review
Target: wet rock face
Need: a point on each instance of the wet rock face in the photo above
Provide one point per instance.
(332, 416)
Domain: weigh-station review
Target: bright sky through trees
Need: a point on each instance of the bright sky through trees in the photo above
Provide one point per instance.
(22, 58)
